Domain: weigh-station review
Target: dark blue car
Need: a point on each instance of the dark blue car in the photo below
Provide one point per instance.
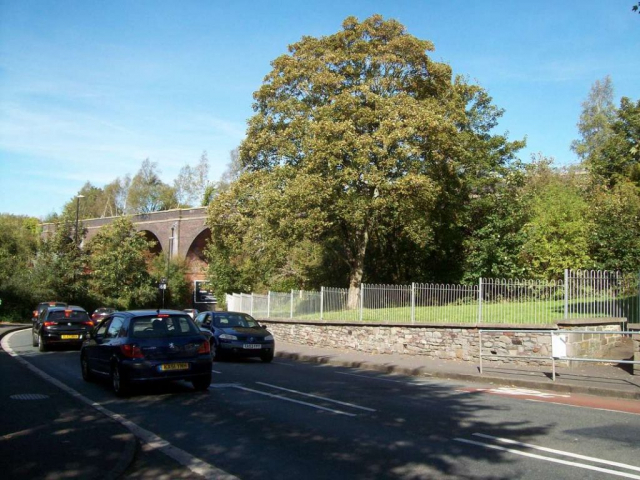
(237, 334)
(138, 347)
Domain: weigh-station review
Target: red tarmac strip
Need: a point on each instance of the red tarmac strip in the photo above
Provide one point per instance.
(569, 399)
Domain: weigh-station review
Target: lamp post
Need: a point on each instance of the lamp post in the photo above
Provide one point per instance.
(78, 197)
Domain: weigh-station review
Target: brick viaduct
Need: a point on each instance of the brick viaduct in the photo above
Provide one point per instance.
(181, 232)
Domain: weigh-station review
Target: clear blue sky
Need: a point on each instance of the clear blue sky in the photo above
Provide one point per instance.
(90, 89)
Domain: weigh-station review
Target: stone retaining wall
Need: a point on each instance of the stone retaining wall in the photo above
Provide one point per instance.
(447, 341)
(635, 327)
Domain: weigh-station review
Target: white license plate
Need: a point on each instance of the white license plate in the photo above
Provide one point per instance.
(252, 346)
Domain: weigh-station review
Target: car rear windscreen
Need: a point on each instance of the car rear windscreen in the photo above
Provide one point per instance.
(163, 326)
(76, 315)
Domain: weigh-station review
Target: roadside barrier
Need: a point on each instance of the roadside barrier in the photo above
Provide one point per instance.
(558, 341)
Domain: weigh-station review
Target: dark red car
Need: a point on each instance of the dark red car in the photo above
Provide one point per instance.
(101, 313)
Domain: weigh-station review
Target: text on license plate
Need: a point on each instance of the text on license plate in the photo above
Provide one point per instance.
(174, 366)
(253, 346)
(69, 337)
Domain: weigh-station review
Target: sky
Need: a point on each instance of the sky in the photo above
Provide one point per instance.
(89, 89)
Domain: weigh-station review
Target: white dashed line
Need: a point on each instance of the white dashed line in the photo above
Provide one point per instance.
(318, 397)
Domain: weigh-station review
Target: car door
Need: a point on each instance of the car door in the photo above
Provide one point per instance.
(96, 351)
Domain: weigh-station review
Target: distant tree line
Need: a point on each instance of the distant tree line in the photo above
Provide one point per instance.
(115, 269)
(145, 192)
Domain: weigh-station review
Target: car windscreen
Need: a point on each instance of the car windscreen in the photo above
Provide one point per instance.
(163, 326)
(77, 315)
(231, 320)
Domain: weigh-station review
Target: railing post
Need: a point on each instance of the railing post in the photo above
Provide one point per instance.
(566, 293)
(637, 317)
(321, 301)
(291, 313)
(480, 349)
(269, 304)
(361, 299)
(413, 302)
(480, 301)
(251, 305)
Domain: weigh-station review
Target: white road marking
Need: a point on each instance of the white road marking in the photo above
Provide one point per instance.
(558, 452)
(294, 401)
(215, 371)
(549, 459)
(317, 396)
(194, 464)
(376, 378)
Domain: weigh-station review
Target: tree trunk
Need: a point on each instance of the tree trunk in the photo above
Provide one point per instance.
(356, 263)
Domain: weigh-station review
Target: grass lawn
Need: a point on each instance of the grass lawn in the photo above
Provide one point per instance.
(537, 312)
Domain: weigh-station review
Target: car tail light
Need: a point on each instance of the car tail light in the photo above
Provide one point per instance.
(205, 348)
(89, 323)
(35, 313)
(49, 324)
(131, 351)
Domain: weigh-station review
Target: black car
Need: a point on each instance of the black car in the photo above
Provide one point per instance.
(237, 334)
(146, 346)
(68, 325)
(43, 306)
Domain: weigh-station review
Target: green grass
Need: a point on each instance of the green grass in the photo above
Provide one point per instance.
(535, 312)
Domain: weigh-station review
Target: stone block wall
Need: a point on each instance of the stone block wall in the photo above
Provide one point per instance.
(589, 345)
(529, 344)
(636, 346)
(447, 342)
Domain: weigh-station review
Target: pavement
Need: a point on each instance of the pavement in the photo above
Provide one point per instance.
(602, 380)
(59, 436)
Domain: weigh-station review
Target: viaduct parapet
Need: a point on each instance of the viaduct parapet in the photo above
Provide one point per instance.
(181, 232)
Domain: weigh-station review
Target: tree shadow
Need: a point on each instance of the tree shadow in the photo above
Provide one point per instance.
(412, 434)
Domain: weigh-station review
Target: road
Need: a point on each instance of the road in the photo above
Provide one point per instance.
(293, 420)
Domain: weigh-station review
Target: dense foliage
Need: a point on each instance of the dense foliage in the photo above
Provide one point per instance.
(367, 162)
(358, 136)
(115, 269)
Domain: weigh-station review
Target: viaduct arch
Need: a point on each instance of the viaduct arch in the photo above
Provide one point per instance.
(181, 232)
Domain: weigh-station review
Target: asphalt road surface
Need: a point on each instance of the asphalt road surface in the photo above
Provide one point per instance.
(289, 420)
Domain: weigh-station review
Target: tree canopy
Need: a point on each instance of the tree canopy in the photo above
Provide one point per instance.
(361, 134)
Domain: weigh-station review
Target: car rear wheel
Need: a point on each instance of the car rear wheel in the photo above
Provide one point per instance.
(266, 357)
(34, 338)
(87, 374)
(202, 383)
(41, 345)
(118, 382)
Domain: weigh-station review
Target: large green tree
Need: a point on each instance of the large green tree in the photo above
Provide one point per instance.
(148, 193)
(119, 266)
(369, 128)
(18, 249)
(621, 151)
(594, 126)
(556, 235)
(59, 269)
